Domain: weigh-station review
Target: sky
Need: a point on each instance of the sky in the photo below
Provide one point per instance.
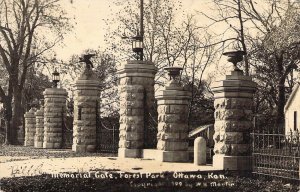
(89, 27)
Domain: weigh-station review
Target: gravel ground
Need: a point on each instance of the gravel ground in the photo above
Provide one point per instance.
(16, 153)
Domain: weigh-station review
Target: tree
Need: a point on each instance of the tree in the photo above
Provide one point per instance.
(105, 70)
(168, 38)
(171, 38)
(228, 15)
(202, 102)
(277, 55)
(196, 58)
(268, 33)
(25, 28)
(35, 84)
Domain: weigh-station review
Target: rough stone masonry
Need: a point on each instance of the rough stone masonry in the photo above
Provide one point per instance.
(173, 101)
(39, 134)
(233, 121)
(131, 119)
(54, 117)
(86, 102)
(29, 127)
(137, 105)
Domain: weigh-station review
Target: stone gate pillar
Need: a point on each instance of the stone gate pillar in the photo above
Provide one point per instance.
(39, 131)
(54, 116)
(233, 113)
(86, 101)
(173, 102)
(131, 121)
(29, 127)
(136, 90)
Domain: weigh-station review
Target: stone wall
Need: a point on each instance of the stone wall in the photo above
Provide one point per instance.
(54, 116)
(29, 127)
(86, 100)
(39, 134)
(233, 121)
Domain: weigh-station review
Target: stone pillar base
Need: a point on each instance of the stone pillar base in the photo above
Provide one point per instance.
(173, 156)
(28, 144)
(52, 145)
(84, 148)
(241, 163)
(38, 144)
(129, 153)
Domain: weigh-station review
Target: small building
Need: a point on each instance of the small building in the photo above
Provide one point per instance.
(292, 111)
(206, 131)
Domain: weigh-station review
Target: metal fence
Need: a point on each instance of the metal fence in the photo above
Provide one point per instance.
(108, 139)
(2, 138)
(276, 154)
(150, 135)
(67, 129)
(107, 131)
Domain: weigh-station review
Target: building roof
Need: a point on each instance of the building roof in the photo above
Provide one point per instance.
(200, 129)
(291, 97)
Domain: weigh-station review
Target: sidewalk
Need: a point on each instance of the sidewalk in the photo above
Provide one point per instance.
(30, 167)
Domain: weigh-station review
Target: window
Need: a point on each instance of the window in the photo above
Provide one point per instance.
(295, 120)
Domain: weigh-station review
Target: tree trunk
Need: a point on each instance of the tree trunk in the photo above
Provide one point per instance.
(16, 116)
(281, 91)
(8, 117)
(243, 38)
(280, 106)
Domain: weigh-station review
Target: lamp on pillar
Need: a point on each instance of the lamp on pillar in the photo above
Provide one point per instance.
(137, 45)
(55, 78)
(137, 41)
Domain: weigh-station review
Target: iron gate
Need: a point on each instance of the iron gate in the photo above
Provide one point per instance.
(150, 125)
(67, 129)
(107, 136)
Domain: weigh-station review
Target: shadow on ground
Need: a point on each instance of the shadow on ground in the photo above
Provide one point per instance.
(15, 153)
